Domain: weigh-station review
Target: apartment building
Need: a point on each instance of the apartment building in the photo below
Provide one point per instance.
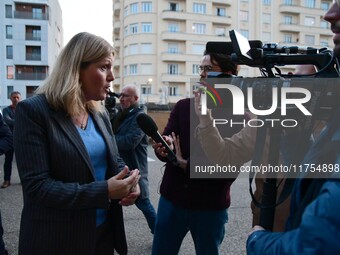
(31, 38)
(160, 43)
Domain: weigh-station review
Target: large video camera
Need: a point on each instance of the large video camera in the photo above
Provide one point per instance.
(110, 103)
(323, 92)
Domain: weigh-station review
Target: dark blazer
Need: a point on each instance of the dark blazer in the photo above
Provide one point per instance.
(60, 192)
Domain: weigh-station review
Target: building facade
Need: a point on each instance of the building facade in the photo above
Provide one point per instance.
(159, 43)
(31, 38)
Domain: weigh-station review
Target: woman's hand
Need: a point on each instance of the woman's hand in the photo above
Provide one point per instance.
(132, 197)
(120, 185)
(176, 142)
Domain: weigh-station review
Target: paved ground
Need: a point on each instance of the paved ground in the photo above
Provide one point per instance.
(138, 235)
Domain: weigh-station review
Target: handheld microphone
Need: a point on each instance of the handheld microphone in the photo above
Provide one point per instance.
(150, 128)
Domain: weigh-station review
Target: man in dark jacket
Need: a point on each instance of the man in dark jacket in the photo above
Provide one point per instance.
(6, 144)
(132, 145)
(314, 222)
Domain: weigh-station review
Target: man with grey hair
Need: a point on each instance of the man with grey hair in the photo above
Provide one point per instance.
(132, 144)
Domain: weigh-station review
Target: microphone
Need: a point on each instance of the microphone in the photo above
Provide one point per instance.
(149, 127)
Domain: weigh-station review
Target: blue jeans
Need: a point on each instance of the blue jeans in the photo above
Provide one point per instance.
(207, 228)
(2, 244)
(149, 212)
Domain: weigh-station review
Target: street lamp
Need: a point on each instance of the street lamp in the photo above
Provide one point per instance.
(148, 90)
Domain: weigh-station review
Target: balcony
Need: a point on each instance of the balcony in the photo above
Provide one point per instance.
(177, 57)
(116, 27)
(179, 77)
(297, 9)
(33, 56)
(32, 37)
(116, 8)
(222, 2)
(30, 76)
(294, 27)
(30, 15)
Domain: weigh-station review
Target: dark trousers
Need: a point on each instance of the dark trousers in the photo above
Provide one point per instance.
(8, 165)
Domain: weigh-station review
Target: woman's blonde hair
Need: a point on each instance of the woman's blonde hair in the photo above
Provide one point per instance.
(62, 88)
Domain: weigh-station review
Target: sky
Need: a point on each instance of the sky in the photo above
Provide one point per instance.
(93, 16)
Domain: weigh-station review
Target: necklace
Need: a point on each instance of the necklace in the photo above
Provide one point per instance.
(83, 121)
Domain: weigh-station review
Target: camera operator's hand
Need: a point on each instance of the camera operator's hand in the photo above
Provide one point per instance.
(205, 120)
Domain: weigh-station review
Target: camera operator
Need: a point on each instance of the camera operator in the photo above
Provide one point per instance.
(314, 223)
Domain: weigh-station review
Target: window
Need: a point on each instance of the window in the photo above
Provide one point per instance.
(173, 48)
(146, 69)
(324, 24)
(126, 11)
(266, 2)
(195, 69)
(220, 12)
(266, 37)
(10, 89)
(9, 32)
(126, 52)
(243, 15)
(10, 72)
(287, 19)
(174, 7)
(125, 70)
(324, 44)
(133, 49)
(126, 30)
(9, 52)
(8, 10)
(146, 6)
(199, 8)
(220, 31)
(133, 69)
(37, 13)
(146, 27)
(146, 48)
(173, 69)
(245, 33)
(33, 53)
(198, 49)
(133, 8)
(173, 27)
(145, 90)
(310, 3)
(309, 21)
(134, 28)
(324, 6)
(266, 18)
(288, 38)
(172, 91)
(309, 40)
(30, 91)
(33, 33)
(198, 28)
(288, 2)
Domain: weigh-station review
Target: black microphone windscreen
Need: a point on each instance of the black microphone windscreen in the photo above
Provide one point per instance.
(147, 124)
(227, 47)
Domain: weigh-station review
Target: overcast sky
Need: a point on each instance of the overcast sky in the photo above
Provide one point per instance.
(93, 16)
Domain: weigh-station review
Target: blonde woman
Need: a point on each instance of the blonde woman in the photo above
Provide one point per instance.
(73, 180)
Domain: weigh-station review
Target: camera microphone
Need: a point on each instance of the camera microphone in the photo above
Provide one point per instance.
(149, 127)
